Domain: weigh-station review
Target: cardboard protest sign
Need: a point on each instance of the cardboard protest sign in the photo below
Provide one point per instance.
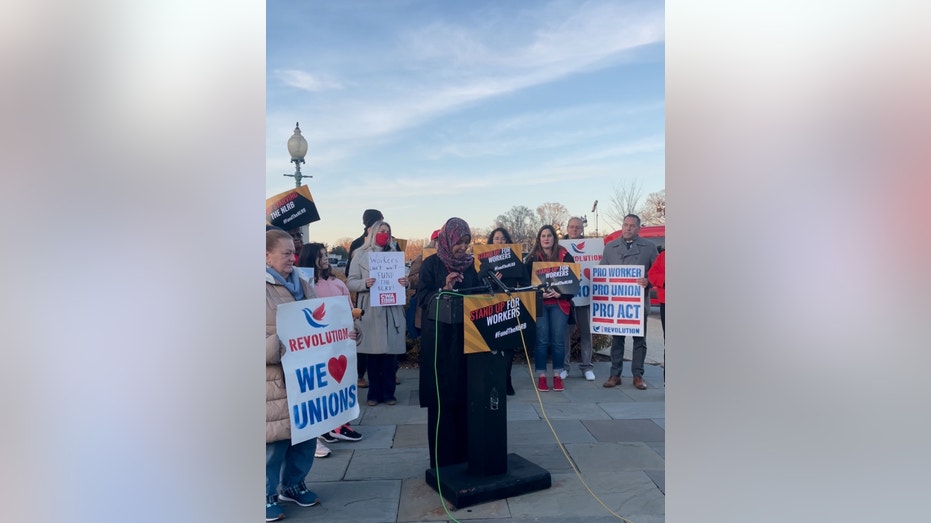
(617, 300)
(587, 253)
(498, 322)
(319, 364)
(562, 276)
(386, 268)
(503, 258)
(428, 251)
(291, 209)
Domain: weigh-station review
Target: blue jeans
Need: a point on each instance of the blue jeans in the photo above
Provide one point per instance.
(551, 331)
(287, 464)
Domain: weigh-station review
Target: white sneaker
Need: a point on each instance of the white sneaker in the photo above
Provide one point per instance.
(322, 450)
(564, 374)
(589, 375)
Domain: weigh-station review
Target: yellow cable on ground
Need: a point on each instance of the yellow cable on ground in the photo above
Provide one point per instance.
(559, 443)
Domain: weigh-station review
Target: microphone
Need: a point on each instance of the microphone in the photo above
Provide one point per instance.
(497, 281)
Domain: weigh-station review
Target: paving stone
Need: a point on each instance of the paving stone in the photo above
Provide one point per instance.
(598, 457)
(625, 430)
(349, 501)
(387, 464)
(572, 411)
(411, 436)
(636, 410)
(419, 502)
(532, 432)
(382, 414)
(658, 477)
(628, 493)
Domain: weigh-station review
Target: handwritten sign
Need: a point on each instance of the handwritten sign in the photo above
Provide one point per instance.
(386, 268)
(319, 365)
(617, 300)
(503, 258)
(587, 253)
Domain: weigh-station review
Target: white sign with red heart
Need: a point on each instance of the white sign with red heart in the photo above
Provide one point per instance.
(319, 365)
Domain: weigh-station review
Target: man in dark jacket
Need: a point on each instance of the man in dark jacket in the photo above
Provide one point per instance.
(630, 249)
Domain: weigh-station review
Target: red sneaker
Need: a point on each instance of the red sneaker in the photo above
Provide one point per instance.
(557, 383)
(541, 386)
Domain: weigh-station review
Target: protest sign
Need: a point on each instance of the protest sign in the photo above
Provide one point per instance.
(498, 322)
(562, 276)
(291, 209)
(319, 364)
(617, 300)
(386, 268)
(503, 258)
(428, 251)
(587, 253)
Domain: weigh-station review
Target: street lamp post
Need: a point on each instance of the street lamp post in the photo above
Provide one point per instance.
(297, 147)
(595, 210)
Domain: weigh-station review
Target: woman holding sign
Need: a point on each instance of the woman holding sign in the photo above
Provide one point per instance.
(553, 320)
(442, 356)
(500, 236)
(315, 255)
(286, 465)
(384, 329)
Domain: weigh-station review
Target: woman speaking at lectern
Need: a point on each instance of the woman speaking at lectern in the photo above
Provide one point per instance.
(442, 360)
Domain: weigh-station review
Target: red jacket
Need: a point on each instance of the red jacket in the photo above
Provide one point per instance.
(657, 276)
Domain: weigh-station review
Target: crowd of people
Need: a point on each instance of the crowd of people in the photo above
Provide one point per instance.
(381, 333)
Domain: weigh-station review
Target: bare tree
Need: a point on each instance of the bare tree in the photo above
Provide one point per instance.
(553, 213)
(414, 248)
(521, 222)
(480, 234)
(624, 201)
(654, 211)
(341, 246)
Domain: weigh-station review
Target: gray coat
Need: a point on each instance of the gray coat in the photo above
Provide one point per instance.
(384, 329)
(641, 252)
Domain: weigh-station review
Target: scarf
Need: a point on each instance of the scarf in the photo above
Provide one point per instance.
(293, 283)
(450, 234)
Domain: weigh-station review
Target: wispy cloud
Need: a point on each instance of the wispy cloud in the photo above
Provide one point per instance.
(447, 66)
(306, 81)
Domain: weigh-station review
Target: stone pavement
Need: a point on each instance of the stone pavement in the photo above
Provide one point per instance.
(615, 437)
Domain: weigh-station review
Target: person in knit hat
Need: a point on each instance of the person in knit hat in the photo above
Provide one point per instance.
(369, 218)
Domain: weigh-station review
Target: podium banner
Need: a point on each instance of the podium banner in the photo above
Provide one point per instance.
(319, 364)
(503, 258)
(291, 209)
(498, 322)
(562, 276)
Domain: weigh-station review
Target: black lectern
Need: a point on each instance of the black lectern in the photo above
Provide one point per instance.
(490, 473)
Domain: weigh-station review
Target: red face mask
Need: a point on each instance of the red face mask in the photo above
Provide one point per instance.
(381, 239)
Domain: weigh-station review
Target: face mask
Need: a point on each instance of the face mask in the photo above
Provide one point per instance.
(381, 239)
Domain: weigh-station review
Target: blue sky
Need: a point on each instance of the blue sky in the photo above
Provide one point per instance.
(432, 109)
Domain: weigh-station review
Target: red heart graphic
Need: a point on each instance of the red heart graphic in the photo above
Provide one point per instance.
(337, 367)
(587, 273)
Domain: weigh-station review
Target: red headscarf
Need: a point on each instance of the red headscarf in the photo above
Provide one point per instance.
(452, 232)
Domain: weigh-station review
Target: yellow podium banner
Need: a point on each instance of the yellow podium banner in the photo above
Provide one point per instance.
(498, 322)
